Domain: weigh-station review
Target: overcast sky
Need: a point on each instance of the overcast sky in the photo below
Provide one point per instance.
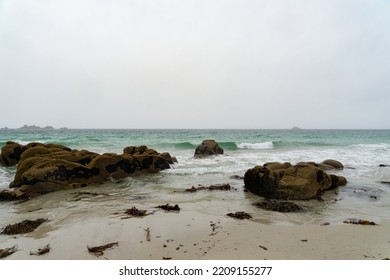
(195, 64)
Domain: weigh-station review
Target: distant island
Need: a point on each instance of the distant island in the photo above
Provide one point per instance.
(34, 127)
(295, 128)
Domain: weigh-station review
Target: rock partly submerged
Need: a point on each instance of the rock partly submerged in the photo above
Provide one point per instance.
(44, 168)
(208, 148)
(305, 180)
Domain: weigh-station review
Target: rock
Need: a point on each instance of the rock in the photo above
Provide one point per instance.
(9, 195)
(208, 148)
(150, 163)
(44, 168)
(261, 181)
(277, 165)
(10, 153)
(169, 158)
(303, 181)
(337, 181)
(140, 150)
(144, 150)
(333, 163)
(286, 181)
(111, 165)
(41, 188)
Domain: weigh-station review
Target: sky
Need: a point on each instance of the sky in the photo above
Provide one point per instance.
(195, 64)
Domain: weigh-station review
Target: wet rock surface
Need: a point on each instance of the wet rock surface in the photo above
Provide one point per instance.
(305, 180)
(44, 168)
(208, 148)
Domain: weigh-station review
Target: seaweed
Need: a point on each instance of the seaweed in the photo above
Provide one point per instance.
(220, 187)
(279, 206)
(99, 250)
(41, 251)
(8, 251)
(169, 207)
(214, 226)
(136, 212)
(360, 222)
(147, 234)
(240, 215)
(23, 227)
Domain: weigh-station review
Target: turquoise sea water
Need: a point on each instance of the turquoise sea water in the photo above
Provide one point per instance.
(361, 151)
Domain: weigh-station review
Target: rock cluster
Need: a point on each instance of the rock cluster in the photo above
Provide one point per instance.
(43, 168)
(305, 180)
(208, 148)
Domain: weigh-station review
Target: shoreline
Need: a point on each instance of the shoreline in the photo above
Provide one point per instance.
(191, 235)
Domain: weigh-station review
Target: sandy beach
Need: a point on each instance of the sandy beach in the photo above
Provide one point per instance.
(190, 235)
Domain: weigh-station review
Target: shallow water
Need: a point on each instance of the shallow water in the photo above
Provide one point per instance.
(365, 197)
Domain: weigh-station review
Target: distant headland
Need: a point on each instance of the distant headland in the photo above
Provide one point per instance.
(33, 127)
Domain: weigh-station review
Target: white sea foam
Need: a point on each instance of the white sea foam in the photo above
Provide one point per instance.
(256, 146)
(25, 142)
(383, 146)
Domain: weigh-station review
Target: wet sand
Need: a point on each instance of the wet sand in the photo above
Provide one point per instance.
(190, 235)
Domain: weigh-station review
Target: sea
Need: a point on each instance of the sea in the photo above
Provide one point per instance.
(364, 153)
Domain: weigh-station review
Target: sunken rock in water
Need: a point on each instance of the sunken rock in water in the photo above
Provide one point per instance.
(286, 181)
(208, 148)
(333, 164)
(44, 168)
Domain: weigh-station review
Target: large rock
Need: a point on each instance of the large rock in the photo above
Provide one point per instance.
(208, 148)
(286, 181)
(43, 168)
(10, 153)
